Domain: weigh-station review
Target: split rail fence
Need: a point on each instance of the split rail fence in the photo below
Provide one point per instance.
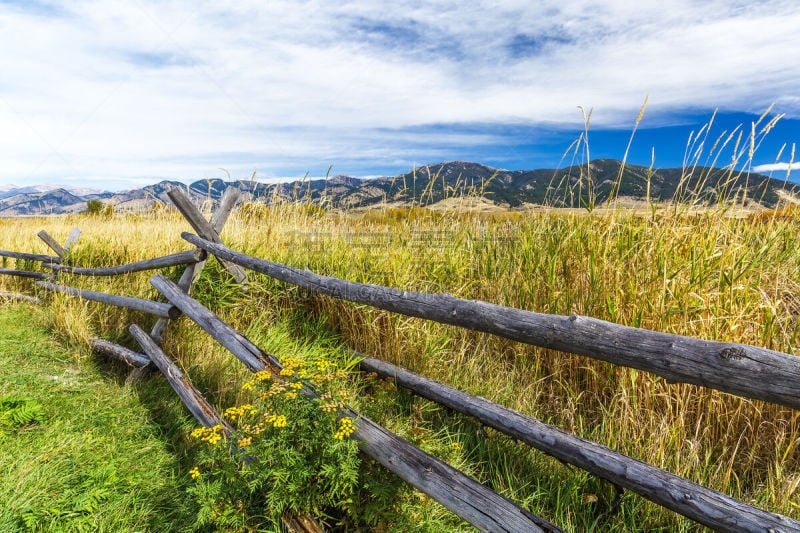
(744, 370)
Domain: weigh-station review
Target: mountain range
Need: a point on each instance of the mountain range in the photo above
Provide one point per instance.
(574, 186)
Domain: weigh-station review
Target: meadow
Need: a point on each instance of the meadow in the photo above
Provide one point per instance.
(704, 273)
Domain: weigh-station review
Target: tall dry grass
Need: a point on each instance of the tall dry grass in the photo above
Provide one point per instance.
(707, 275)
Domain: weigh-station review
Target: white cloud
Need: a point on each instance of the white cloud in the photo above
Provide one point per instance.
(145, 88)
(777, 167)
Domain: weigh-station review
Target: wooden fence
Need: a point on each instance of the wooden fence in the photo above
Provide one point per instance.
(738, 369)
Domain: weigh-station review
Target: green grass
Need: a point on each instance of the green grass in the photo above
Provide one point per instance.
(96, 457)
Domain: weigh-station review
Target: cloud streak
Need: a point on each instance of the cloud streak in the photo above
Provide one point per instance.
(178, 89)
(776, 167)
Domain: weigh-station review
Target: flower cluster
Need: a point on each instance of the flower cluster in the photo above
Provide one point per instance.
(275, 389)
(325, 373)
(288, 442)
(293, 388)
(329, 404)
(260, 377)
(252, 429)
(210, 435)
(293, 366)
(276, 394)
(277, 421)
(346, 428)
(232, 413)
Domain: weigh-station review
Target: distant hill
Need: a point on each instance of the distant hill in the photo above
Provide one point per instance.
(7, 191)
(48, 202)
(574, 186)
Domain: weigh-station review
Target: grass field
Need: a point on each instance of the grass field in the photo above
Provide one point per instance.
(706, 274)
(98, 456)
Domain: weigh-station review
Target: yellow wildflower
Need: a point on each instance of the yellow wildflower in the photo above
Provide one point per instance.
(206, 434)
(329, 404)
(346, 428)
(293, 362)
(210, 435)
(194, 472)
(276, 388)
(246, 441)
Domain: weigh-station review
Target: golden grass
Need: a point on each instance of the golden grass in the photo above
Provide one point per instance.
(707, 275)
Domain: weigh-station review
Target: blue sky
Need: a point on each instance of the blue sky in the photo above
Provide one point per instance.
(114, 95)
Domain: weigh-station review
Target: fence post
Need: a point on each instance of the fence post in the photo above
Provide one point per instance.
(53, 244)
(192, 272)
(74, 235)
(203, 228)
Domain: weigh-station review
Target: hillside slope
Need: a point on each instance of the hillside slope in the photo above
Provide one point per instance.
(574, 186)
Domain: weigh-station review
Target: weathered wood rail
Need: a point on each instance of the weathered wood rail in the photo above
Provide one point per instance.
(137, 304)
(202, 411)
(739, 369)
(120, 353)
(17, 297)
(744, 370)
(703, 505)
(24, 273)
(54, 245)
(180, 258)
(30, 257)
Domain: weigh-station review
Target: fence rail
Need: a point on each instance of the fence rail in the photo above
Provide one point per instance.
(30, 257)
(137, 304)
(733, 368)
(120, 353)
(703, 505)
(739, 369)
(24, 273)
(180, 258)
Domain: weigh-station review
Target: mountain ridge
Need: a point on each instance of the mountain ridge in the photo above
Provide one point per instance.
(574, 186)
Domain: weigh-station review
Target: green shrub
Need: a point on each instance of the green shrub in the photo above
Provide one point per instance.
(16, 412)
(289, 453)
(98, 208)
